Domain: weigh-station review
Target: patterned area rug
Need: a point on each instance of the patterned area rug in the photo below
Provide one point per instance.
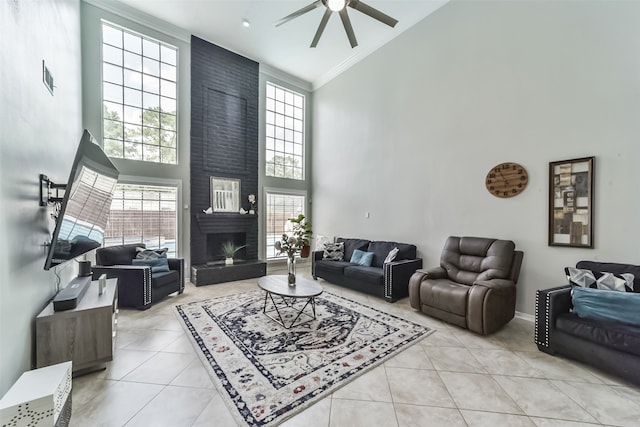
(267, 373)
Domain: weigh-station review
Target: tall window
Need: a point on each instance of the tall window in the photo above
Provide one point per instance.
(284, 133)
(281, 207)
(139, 96)
(143, 213)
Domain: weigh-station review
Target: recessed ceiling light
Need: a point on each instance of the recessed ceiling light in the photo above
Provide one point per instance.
(246, 23)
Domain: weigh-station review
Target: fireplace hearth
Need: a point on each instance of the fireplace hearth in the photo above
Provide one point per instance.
(218, 272)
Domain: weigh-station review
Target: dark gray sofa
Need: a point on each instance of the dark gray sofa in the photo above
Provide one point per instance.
(389, 281)
(608, 345)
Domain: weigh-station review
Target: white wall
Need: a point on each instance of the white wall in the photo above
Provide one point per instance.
(410, 133)
(39, 133)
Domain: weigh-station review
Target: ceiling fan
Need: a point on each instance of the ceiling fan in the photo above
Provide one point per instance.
(340, 6)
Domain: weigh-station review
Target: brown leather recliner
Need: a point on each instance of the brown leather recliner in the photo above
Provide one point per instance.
(475, 285)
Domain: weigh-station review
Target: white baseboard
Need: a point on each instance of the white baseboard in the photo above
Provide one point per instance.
(525, 316)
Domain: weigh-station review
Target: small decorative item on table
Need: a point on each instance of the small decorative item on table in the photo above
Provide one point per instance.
(297, 242)
(291, 270)
(289, 245)
(252, 204)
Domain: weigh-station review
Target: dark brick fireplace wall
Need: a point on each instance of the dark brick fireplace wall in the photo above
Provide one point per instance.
(224, 141)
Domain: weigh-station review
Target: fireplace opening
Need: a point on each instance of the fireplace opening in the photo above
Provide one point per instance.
(215, 255)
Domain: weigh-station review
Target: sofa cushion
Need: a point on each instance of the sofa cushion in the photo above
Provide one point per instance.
(580, 277)
(380, 251)
(615, 268)
(616, 282)
(158, 265)
(356, 256)
(117, 255)
(366, 259)
(333, 251)
(468, 259)
(143, 253)
(168, 278)
(406, 251)
(333, 267)
(445, 295)
(372, 275)
(604, 332)
(623, 282)
(351, 245)
(393, 253)
(606, 305)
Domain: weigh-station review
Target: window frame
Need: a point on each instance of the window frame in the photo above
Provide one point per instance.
(123, 122)
(284, 192)
(158, 182)
(303, 125)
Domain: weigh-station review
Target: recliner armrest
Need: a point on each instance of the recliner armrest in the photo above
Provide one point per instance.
(549, 304)
(495, 284)
(415, 283)
(433, 273)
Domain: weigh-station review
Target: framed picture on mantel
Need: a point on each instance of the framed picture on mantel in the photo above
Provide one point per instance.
(225, 194)
(571, 203)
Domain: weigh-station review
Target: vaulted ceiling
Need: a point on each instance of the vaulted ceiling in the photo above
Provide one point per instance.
(287, 47)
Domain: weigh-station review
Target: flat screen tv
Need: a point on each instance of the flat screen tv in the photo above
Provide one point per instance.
(84, 209)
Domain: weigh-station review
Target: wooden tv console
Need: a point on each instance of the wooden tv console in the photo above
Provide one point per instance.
(85, 334)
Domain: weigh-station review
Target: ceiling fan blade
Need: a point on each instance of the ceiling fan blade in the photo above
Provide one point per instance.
(323, 23)
(374, 13)
(346, 22)
(300, 12)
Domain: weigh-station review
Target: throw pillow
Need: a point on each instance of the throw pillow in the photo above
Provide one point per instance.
(616, 282)
(606, 305)
(366, 260)
(158, 265)
(578, 277)
(151, 253)
(392, 255)
(356, 256)
(333, 251)
(600, 280)
(321, 241)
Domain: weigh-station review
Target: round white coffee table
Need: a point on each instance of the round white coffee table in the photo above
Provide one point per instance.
(305, 291)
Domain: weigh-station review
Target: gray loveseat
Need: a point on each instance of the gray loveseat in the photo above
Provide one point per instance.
(387, 280)
(606, 344)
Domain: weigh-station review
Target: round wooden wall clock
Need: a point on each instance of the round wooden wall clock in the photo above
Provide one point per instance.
(506, 179)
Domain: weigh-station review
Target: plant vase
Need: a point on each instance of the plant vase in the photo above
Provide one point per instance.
(305, 251)
(291, 271)
(228, 261)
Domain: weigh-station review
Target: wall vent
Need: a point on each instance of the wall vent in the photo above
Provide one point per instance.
(47, 78)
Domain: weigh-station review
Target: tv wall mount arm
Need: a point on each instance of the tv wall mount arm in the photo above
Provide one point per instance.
(50, 192)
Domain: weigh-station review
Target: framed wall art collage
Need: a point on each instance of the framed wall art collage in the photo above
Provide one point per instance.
(571, 202)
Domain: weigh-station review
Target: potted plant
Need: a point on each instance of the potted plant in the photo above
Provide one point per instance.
(303, 232)
(229, 249)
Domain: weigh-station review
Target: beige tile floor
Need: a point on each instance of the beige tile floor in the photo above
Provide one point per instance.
(451, 378)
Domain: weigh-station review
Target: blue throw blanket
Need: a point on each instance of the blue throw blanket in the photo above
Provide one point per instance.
(608, 305)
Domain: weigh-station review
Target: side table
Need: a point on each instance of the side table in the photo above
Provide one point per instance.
(41, 397)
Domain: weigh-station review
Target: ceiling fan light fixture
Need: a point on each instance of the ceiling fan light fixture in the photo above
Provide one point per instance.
(336, 5)
(339, 6)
